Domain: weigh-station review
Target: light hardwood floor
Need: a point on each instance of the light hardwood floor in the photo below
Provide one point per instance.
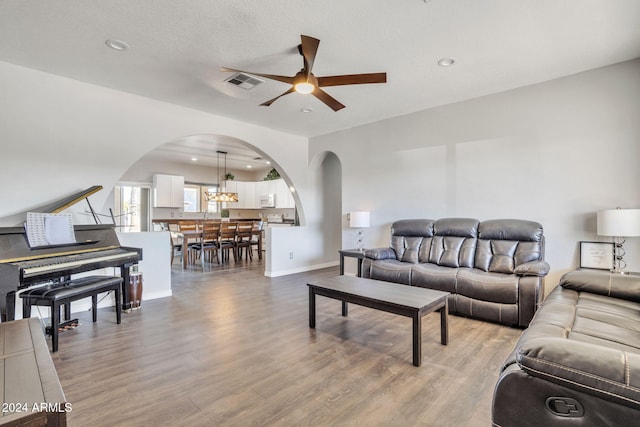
(233, 348)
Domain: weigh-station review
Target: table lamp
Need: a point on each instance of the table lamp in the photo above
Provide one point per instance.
(619, 223)
(360, 220)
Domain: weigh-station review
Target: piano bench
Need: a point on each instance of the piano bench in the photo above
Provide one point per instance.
(54, 296)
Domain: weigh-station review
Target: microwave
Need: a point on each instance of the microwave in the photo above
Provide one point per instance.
(268, 201)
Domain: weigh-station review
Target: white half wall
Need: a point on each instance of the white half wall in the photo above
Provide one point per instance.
(555, 152)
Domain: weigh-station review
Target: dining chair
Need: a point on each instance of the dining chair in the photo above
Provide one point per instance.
(256, 236)
(209, 243)
(189, 225)
(176, 241)
(228, 240)
(243, 240)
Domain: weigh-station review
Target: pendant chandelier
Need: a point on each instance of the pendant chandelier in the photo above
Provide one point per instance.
(221, 196)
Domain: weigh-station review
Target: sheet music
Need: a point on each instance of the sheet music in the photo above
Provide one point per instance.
(49, 229)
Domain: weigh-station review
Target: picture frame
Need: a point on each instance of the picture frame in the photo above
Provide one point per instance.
(597, 255)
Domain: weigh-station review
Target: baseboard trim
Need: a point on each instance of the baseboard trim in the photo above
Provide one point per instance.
(300, 269)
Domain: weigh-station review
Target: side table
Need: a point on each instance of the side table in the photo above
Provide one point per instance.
(352, 253)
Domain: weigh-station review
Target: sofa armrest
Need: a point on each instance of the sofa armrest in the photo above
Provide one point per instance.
(532, 268)
(603, 283)
(380, 253)
(608, 373)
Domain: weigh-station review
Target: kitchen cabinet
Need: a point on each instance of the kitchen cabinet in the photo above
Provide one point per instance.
(246, 194)
(168, 191)
(250, 193)
(284, 198)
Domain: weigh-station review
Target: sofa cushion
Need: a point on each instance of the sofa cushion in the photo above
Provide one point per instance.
(461, 227)
(411, 239)
(502, 260)
(510, 229)
(504, 244)
(452, 251)
(487, 286)
(528, 252)
(497, 256)
(603, 283)
(412, 249)
(391, 270)
(493, 311)
(433, 276)
(454, 242)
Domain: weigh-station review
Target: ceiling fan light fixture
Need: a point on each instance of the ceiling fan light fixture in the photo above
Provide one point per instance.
(304, 88)
(305, 82)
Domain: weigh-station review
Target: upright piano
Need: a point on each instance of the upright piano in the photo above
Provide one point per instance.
(96, 247)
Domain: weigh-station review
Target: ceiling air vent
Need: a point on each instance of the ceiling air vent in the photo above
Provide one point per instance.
(245, 81)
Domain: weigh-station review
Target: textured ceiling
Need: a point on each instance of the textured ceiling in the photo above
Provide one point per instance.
(177, 49)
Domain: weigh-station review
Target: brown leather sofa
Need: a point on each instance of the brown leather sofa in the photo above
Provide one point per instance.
(578, 363)
(493, 269)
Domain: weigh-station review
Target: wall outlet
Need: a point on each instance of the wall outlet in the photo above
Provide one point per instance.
(290, 255)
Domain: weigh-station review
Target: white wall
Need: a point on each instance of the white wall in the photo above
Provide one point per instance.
(555, 152)
(59, 136)
(156, 261)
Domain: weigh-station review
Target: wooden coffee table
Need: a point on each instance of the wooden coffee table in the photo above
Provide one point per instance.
(408, 301)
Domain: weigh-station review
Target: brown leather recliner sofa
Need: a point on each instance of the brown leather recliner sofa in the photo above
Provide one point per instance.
(578, 363)
(493, 269)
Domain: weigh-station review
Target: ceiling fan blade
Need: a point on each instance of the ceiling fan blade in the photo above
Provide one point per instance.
(308, 49)
(283, 79)
(323, 96)
(269, 102)
(352, 79)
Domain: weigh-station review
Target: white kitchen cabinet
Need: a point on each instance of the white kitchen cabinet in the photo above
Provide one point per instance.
(168, 191)
(246, 194)
(249, 195)
(284, 198)
(230, 186)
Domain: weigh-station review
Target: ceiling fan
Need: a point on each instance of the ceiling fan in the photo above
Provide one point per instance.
(305, 82)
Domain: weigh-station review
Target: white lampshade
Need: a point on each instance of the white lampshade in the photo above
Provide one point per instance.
(619, 222)
(359, 219)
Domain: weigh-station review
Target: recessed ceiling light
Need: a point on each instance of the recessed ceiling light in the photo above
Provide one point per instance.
(249, 166)
(446, 62)
(117, 44)
(268, 162)
(194, 159)
(306, 110)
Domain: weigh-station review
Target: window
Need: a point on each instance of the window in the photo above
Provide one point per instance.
(131, 205)
(211, 205)
(195, 199)
(191, 198)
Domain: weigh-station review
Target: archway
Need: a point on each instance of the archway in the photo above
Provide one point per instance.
(196, 156)
(328, 169)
